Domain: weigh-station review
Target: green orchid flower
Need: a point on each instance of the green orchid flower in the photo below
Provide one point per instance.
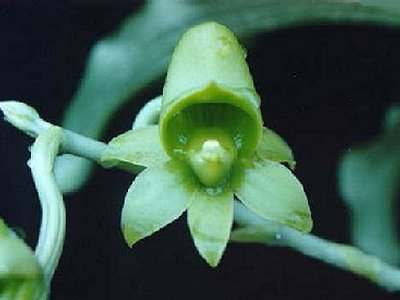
(209, 147)
(21, 277)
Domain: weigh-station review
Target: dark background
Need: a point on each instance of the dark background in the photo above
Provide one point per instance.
(324, 88)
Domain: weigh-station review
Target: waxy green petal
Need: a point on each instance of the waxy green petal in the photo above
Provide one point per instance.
(206, 53)
(273, 147)
(157, 197)
(135, 149)
(210, 219)
(272, 191)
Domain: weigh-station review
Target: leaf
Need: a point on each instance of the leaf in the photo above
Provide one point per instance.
(157, 197)
(388, 5)
(138, 52)
(369, 181)
(210, 219)
(273, 147)
(135, 149)
(272, 191)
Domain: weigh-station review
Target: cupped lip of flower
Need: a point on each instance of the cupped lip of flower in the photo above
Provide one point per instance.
(213, 93)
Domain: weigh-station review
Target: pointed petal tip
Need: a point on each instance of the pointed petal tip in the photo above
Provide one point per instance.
(213, 264)
(149, 207)
(131, 236)
(300, 221)
(213, 254)
(212, 258)
(210, 220)
(130, 240)
(309, 226)
(130, 243)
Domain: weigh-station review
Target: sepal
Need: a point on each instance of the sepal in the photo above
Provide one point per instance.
(135, 149)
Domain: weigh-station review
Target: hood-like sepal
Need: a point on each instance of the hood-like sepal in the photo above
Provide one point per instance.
(209, 87)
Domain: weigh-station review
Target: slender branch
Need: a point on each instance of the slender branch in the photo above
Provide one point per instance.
(82, 146)
(254, 228)
(257, 230)
(28, 120)
(52, 230)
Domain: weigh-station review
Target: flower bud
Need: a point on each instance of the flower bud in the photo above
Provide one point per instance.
(21, 276)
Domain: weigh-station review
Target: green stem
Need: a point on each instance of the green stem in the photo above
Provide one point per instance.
(342, 256)
(28, 120)
(81, 146)
(50, 140)
(255, 229)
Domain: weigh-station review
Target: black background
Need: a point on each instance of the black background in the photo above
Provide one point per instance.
(324, 88)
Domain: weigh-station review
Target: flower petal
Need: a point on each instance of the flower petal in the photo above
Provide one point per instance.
(272, 191)
(135, 149)
(157, 197)
(273, 147)
(210, 219)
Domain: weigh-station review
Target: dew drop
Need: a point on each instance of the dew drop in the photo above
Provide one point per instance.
(238, 140)
(182, 139)
(179, 152)
(224, 46)
(213, 191)
(295, 219)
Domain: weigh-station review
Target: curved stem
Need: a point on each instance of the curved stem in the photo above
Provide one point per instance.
(149, 114)
(52, 229)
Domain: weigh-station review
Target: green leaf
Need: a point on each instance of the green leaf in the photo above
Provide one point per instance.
(273, 147)
(386, 5)
(272, 191)
(138, 52)
(135, 149)
(369, 181)
(157, 197)
(210, 220)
